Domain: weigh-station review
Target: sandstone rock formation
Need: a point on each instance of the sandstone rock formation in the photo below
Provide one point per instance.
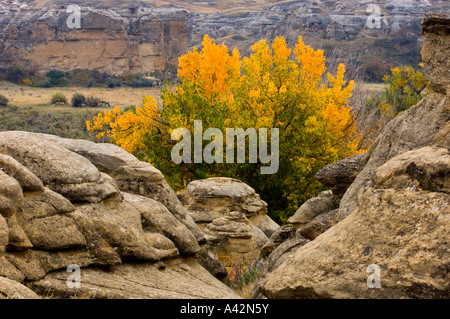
(318, 214)
(68, 202)
(395, 214)
(279, 248)
(10, 289)
(324, 203)
(116, 42)
(232, 216)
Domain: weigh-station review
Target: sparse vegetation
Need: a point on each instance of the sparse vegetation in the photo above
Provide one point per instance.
(239, 38)
(59, 98)
(3, 100)
(69, 124)
(56, 78)
(78, 100)
(405, 87)
(243, 278)
(92, 101)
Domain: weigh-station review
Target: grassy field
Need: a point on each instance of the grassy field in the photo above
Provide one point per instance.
(30, 109)
(373, 87)
(40, 98)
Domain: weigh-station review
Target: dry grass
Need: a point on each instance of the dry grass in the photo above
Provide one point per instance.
(246, 291)
(24, 96)
(373, 87)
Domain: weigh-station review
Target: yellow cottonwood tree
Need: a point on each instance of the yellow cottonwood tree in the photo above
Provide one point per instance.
(275, 87)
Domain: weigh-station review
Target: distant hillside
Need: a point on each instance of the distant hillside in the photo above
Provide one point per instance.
(338, 27)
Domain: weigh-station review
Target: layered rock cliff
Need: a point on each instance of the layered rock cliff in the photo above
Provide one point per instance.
(121, 37)
(121, 41)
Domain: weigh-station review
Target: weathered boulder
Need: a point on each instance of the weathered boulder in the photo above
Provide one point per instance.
(442, 139)
(51, 163)
(10, 289)
(231, 214)
(101, 252)
(35, 264)
(18, 240)
(4, 235)
(91, 192)
(277, 257)
(427, 169)
(212, 198)
(412, 129)
(63, 211)
(230, 238)
(120, 225)
(282, 234)
(44, 223)
(111, 159)
(155, 217)
(340, 175)
(404, 232)
(319, 225)
(54, 233)
(9, 271)
(436, 31)
(324, 203)
(173, 280)
(163, 193)
(421, 124)
(210, 262)
(44, 204)
(233, 225)
(27, 180)
(11, 195)
(131, 175)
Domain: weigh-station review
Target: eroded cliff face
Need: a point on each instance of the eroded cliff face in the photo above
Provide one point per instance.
(121, 37)
(120, 41)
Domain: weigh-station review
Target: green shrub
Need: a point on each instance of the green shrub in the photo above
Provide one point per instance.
(114, 82)
(59, 98)
(14, 73)
(131, 108)
(56, 78)
(239, 38)
(78, 100)
(93, 101)
(141, 83)
(3, 100)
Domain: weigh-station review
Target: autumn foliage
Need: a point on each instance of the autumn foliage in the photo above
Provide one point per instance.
(275, 87)
(405, 87)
